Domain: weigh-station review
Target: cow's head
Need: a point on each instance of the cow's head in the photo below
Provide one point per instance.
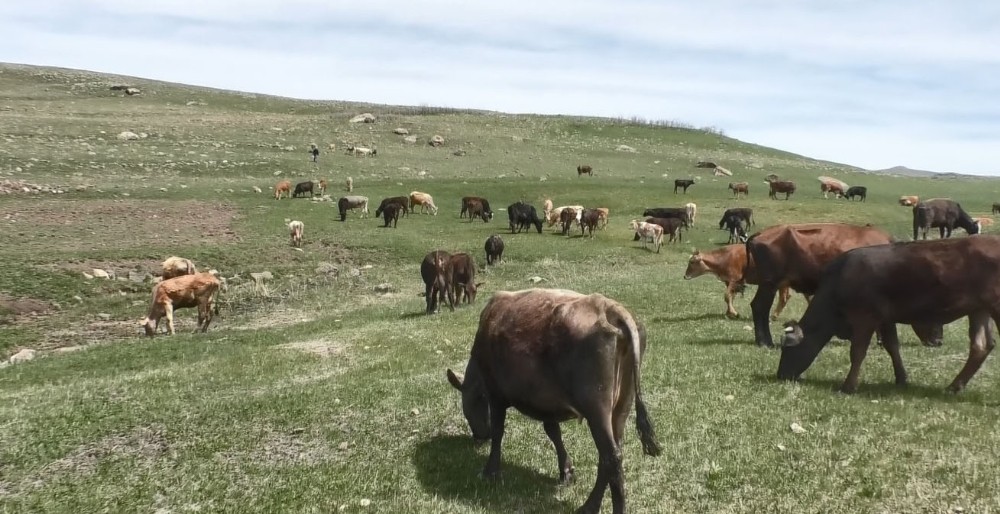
(797, 352)
(696, 266)
(149, 325)
(475, 404)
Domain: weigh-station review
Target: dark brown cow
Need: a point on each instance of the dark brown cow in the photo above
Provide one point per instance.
(436, 272)
(683, 183)
(557, 355)
(670, 226)
(302, 188)
(942, 213)
(744, 213)
(468, 200)
(494, 249)
(739, 187)
(463, 277)
(522, 216)
(795, 255)
(402, 201)
(781, 186)
(871, 289)
(584, 169)
(996, 208)
(589, 221)
(567, 217)
(477, 209)
(390, 213)
(706, 164)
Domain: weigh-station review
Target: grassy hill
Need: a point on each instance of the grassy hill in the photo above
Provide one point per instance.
(324, 386)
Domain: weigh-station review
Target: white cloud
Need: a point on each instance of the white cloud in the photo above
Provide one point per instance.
(875, 83)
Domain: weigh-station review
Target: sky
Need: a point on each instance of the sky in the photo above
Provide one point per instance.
(874, 83)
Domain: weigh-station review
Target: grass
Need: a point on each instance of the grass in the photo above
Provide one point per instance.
(319, 392)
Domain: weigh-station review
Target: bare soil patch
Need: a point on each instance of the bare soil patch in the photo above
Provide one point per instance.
(319, 347)
(115, 224)
(277, 449)
(23, 306)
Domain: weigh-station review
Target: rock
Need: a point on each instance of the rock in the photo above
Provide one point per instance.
(365, 502)
(343, 446)
(261, 276)
(415, 411)
(436, 140)
(459, 153)
(24, 355)
(132, 91)
(383, 288)
(327, 268)
(87, 276)
(78, 298)
(729, 397)
(103, 316)
(517, 139)
(781, 447)
(257, 189)
(410, 139)
(797, 428)
(99, 273)
(163, 189)
(365, 117)
(128, 136)
(138, 277)
(536, 279)
(276, 173)
(401, 131)
(625, 148)
(355, 272)
(289, 148)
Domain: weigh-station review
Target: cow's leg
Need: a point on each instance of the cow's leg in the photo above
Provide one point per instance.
(861, 339)
(429, 293)
(980, 345)
(783, 296)
(761, 307)
(169, 313)
(929, 334)
(609, 468)
(554, 432)
(890, 341)
(498, 417)
(730, 293)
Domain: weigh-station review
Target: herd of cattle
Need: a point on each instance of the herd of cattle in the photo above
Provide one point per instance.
(570, 355)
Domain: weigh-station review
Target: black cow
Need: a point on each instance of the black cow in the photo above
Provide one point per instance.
(671, 226)
(522, 215)
(860, 191)
(494, 249)
(870, 289)
(389, 213)
(996, 208)
(668, 212)
(734, 225)
(683, 183)
(942, 213)
(558, 355)
(402, 201)
(302, 188)
(744, 213)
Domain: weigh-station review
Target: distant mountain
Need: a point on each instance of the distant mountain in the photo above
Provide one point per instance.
(905, 172)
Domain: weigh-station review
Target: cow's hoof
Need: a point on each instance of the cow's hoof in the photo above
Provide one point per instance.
(566, 477)
(732, 315)
(932, 344)
(955, 387)
(766, 345)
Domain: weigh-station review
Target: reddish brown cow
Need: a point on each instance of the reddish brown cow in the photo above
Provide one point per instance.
(437, 275)
(186, 291)
(283, 188)
(557, 355)
(781, 186)
(871, 289)
(589, 221)
(730, 264)
(739, 187)
(567, 216)
(463, 277)
(795, 255)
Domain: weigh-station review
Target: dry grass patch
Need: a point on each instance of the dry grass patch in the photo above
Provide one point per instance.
(320, 347)
(277, 449)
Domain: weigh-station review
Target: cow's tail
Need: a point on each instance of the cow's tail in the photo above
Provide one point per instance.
(643, 423)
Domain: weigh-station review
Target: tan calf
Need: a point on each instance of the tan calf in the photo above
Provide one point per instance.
(729, 264)
(198, 290)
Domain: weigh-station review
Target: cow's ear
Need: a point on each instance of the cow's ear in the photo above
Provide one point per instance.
(455, 379)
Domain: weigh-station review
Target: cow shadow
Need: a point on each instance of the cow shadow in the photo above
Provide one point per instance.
(449, 466)
(878, 390)
(691, 317)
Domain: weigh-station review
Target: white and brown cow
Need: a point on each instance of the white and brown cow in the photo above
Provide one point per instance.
(650, 231)
(198, 290)
(424, 200)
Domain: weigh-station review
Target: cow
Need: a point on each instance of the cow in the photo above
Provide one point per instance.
(546, 207)
(463, 277)
(479, 208)
(467, 200)
(829, 185)
(983, 223)
(739, 187)
(494, 249)
(322, 186)
(521, 215)
(859, 191)
(283, 187)
(795, 255)
(781, 186)
(691, 209)
(567, 356)
(555, 215)
(730, 265)
(424, 200)
(402, 201)
(390, 213)
(734, 225)
(295, 229)
(871, 289)
(706, 164)
(186, 291)
(646, 230)
(584, 170)
(668, 212)
(996, 207)
(349, 203)
(603, 213)
(360, 151)
(589, 221)
(302, 188)
(683, 183)
(176, 266)
(908, 201)
(436, 272)
(671, 226)
(349, 184)
(942, 213)
(745, 213)
(567, 216)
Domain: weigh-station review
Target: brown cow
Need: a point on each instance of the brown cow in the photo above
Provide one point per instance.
(739, 187)
(402, 201)
(730, 264)
(390, 214)
(670, 226)
(479, 208)
(283, 187)
(424, 200)
(463, 277)
(494, 249)
(942, 213)
(467, 200)
(589, 221)
(584, 170)
(871, 289)
(781, 186)
(198, 290)
(795, 255)
(557, 355)
(567, 216)
(996, 207)
(437, 274)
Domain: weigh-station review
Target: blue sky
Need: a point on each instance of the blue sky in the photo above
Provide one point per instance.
(869, 83)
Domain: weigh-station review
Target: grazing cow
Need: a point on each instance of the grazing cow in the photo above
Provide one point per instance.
(730, 265)
(734, 225)
(651, 231)
(521, 215)
(795, 255)
(744, 213)
(668, 212)
(832, 185)
(302, 188)
(996, 208)
(584, 170)
(360, 151)
(871, 289)
(691, 209)
(859, 191)
(781, 186)
(683, 183)
(349, 203)
(424, 200)
(706, 164)
(555, 215)
(390, 213)
(198, 290)
(322, 186)
(494, 249)
(603, 212)
(283, 187)
(402, 201)
(671, 226)
(467, 200)
(463, 277)
(942, 213)
(567, 216)
(295, 229)
(479, 208)
(557, 355)
(589, 221)
(546, 207)
(436, 272)
(907, 201)
(176, 266)
(739, 187)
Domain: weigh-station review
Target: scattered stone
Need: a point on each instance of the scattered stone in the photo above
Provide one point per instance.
(415, 411)
(797, 428)
(139, 277)
(327, 268)
(99, 273)
(103, 316)
(132, 91)
(365, 502)
(536, 279)
(401, 131)
(729, 397)
(87, 276)
(436, 140)
(365, 117)
(517, 139)
(276, 173)
(78, 298)
(257, 189)
(625, 148)
(24, 355)
(410, 139)
(781, 447)
(343, 446)
(128, 136)
(383, 288)
(459, 153)
(355, 272)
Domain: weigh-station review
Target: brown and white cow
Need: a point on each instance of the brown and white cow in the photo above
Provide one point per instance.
(198, 290)
(871, 289)
(555, 215)
(295, 229)
(436, 272)
(349, 203)
(546, 208)
(463, 277)
(557, 355)
(424, 200)
(650, 231)
(730, 264)
(283, 188)
(908, 201)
